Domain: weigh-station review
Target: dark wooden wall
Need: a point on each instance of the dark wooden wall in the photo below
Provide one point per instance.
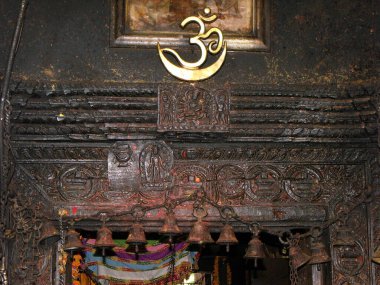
(67, 42)
(307, 109)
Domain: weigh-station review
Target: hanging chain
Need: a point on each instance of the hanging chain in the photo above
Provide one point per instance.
(293, 242)
(61, 252)
(171, 269)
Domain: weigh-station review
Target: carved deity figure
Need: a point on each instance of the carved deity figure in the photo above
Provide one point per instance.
(166, 109)
(220, 116)
(156, 166)
(156, 161)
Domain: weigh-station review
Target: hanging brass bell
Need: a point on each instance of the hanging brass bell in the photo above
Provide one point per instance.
(344, 237)
(376, 255)
(104, 238)
(170, 226)
(136, 235)
(73, 241)
(49, 234)
(227, 236)
(255, 249)
(319, 253)
(298, 257)
(199, 233)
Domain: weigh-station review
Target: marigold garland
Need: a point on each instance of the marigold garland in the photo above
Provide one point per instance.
(216, 271)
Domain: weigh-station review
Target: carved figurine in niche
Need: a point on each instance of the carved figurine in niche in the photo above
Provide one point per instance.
(166, 108)
(221, 112)
(156, 161)
(155, 166)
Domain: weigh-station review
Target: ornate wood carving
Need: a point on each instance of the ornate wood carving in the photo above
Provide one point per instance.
(188, 108)
(276, 184)
(26, 211)
(351, 263)
(147, 171)
(374, 215)
(303, 183)
(250, 113)
(156, 162)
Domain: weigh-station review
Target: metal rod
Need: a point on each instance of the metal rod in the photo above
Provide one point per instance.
(5, 95)
(4, 122)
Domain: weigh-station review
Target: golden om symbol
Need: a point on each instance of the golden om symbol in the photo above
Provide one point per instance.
(191, 71)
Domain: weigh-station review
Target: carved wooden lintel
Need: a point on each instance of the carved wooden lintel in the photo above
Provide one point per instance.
(189, 108)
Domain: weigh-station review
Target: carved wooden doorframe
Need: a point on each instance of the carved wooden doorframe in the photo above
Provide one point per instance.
(277, 184)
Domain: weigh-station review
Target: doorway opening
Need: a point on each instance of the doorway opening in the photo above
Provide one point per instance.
(214, 265)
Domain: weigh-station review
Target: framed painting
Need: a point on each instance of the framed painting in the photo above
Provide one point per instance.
(244, 23)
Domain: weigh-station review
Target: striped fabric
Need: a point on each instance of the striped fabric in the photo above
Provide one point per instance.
(151, 268)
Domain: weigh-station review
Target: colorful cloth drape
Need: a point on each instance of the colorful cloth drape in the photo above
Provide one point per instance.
(151, 268)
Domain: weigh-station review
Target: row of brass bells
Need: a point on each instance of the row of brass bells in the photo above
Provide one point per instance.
(136, 237)
(170, 227)
(227, 236)
(104, 239)
(199, 234)
(73, 241)
(256, 249)
(49, 234)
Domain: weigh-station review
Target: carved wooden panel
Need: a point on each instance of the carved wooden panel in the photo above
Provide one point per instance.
(248, 112)
(351, 264)
(148, 171)
(184, 108)
(270, 184)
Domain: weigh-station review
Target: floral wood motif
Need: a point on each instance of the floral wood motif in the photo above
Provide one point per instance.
(349, 259)
(188, 108)
(76, 183)
(264, 183)
(350, 262)
(303, 183)
(231, 182)
(145, 168)
(41, 151)
(45, 266)
(263, 153)
(189, 179)
(375, 214)
(374, 166)
(66, 182)
(26, 212)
